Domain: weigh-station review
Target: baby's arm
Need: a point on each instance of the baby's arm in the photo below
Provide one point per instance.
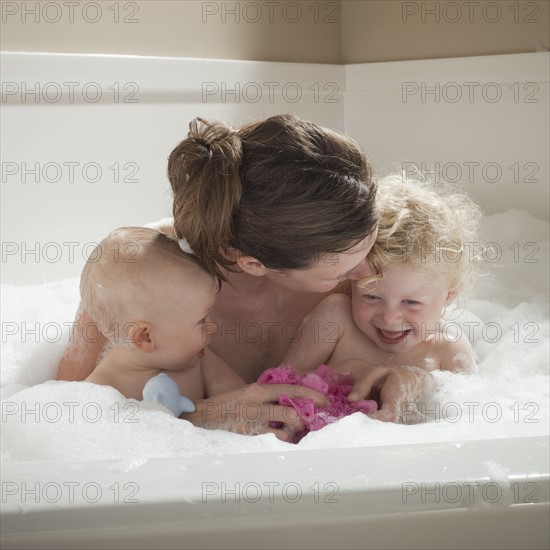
(217, 376)
(321, 331)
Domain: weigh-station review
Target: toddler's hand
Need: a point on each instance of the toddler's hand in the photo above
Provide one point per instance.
(395, 388)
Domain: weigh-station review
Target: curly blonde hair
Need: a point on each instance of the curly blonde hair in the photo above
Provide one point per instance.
(431, 226)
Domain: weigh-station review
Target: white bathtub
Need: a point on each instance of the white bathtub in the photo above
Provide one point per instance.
(347, 498)
(464, 494)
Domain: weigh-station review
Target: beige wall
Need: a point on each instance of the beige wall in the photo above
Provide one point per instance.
(315, 31)
(390, 30)
(261, 31)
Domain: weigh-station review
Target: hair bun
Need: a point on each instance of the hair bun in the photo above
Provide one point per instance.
(204, 171)
(215, 136)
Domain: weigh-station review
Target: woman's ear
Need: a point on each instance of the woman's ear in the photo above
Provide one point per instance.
(139, 335)
(251, 265)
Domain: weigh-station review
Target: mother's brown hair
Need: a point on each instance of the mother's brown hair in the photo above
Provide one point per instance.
(282, 190)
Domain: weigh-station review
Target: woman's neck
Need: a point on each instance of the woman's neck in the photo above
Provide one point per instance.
(242, 284)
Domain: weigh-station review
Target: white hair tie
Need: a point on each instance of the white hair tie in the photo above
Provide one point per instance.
(185, 246)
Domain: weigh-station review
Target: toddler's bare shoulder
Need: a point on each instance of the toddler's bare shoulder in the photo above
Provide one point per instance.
(456, 356)
(334, 305)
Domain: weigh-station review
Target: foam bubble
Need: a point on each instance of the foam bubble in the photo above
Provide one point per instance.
(507, 319)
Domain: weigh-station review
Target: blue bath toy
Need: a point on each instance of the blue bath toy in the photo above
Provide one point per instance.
(162, 389)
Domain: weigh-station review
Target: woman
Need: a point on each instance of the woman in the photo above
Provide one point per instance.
(282, 211)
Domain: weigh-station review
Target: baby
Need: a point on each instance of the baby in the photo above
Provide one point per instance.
(422, 261)
(152, 301)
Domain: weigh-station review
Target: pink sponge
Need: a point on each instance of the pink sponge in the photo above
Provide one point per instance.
(334, 386)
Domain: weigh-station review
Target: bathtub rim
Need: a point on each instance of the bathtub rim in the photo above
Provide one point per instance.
(371, 515)
(524, 459)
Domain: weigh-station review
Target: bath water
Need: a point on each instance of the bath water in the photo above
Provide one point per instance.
(506, 320)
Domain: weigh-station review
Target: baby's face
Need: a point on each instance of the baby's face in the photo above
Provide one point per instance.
(401, 309)
(180, 328)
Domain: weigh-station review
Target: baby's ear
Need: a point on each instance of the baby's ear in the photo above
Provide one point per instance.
(139, 336)
(450, 297)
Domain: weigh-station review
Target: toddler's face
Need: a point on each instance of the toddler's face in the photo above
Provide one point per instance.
(180, 328)
(401, 309)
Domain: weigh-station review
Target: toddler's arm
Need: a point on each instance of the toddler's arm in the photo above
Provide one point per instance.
(321, 331)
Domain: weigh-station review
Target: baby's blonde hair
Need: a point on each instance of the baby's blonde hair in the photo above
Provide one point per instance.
(431, 226)
(120, 281)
